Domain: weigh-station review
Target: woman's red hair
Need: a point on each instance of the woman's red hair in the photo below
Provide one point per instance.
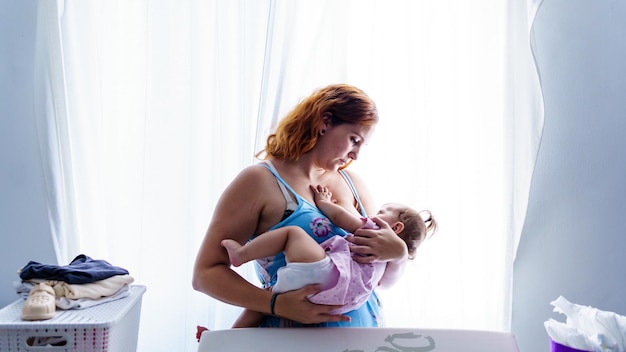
(297, 133)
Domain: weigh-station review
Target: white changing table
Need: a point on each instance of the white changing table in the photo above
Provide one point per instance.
(356, 340)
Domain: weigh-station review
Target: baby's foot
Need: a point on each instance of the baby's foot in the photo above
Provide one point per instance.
(233, 249)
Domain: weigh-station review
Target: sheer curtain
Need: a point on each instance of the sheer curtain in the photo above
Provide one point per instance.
(147, 109)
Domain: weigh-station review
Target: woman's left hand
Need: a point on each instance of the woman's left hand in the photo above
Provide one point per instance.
(378, 245)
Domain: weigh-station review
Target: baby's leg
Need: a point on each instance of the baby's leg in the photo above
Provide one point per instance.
(300, 247)
(294, 241)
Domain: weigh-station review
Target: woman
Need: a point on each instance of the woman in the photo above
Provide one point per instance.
(322, 135)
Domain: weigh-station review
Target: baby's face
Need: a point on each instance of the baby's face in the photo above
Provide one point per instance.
(389, 212)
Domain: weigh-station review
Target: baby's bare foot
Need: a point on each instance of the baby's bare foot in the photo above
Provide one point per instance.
(232, 248)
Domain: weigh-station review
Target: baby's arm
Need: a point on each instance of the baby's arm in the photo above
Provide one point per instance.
(336, 213)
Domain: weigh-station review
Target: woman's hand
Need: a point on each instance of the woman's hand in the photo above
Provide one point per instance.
(294, 305)
(382, 245)
(378, 245)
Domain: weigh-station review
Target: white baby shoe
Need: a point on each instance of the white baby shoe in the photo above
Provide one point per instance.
(40, 304)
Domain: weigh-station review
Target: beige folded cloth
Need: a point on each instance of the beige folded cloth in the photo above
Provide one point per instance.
(94, 290)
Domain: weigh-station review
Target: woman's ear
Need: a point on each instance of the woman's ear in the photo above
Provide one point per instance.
(326, 123)
(327, 120)
(397, 227)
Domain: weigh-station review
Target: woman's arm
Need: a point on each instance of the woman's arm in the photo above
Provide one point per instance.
(248, 206)
(234, 217)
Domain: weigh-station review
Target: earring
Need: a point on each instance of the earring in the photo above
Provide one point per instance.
(322, 132)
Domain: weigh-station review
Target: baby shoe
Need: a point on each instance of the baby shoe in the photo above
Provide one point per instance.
(40, 304)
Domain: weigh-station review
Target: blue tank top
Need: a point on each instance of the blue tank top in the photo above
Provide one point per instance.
(308, 217)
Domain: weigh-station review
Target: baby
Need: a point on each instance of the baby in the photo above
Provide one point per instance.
(343, 281)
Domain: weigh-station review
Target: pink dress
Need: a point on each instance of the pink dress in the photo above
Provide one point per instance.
(355, 281)
(344, 281)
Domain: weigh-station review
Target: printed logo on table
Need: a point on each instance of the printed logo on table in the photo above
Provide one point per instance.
(404, 342)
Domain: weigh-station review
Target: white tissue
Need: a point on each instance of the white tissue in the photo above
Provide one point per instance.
(587, 328)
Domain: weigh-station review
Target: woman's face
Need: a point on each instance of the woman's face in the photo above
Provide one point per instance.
(342, 143)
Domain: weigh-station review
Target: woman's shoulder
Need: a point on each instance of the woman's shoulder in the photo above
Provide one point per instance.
(252, 179)
(362, 191)
(354, 178)
(353, 175)
(254, 172)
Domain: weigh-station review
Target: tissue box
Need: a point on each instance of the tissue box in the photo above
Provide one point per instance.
(111, 326)
(557, 347)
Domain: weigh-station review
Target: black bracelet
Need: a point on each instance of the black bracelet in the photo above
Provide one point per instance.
(273, 302)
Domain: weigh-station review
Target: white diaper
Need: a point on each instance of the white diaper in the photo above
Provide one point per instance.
(294, 276)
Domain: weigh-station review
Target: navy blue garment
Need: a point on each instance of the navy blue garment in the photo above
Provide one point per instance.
(82, 270)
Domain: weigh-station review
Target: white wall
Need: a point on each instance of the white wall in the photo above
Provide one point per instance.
(574, 239)
(24, 229)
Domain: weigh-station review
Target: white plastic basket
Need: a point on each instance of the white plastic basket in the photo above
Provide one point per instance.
(111, 326)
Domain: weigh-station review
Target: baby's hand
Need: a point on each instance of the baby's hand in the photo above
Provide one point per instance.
(321, 194)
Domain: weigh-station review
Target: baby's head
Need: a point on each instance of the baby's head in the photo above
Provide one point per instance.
(412, 226)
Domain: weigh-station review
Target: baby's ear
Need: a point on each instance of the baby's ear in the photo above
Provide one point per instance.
(397, 227)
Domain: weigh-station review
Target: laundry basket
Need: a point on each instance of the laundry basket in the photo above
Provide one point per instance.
(111, 326)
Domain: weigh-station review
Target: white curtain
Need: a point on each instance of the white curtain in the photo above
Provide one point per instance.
(147, 109)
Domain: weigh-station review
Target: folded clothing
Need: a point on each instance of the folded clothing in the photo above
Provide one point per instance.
(81, 270)
(82, 303)
(90, 295)
(94, 290)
